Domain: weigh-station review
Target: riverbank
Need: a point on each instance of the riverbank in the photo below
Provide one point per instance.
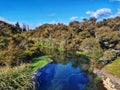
(19, 77)
(110, 81)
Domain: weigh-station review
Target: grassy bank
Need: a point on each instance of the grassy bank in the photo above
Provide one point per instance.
(114, 68)
(19, 77)
(39, 62)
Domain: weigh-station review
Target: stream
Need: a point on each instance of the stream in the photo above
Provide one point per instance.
(68, 71)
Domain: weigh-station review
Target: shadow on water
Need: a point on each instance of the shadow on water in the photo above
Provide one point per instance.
(68, 71)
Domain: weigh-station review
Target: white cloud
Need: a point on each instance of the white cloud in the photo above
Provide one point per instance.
(6, 20)
(73, 18)
(21, 24)
(116, 14)
(100, 13)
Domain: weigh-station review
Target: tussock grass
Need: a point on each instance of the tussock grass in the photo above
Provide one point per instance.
(19, 77)
(16, 78)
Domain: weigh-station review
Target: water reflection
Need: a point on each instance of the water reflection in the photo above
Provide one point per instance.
(68, 71)
(77, 61)
(60, 77)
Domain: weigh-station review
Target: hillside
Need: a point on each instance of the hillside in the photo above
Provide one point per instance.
(80, 36)
(99, 41)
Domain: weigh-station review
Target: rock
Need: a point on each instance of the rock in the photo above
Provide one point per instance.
(110, 82)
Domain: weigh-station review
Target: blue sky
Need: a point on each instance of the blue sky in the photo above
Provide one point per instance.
(36, 12)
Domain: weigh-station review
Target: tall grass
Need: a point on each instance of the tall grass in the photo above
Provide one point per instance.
(39, 62)
(16, 78)
(20, 77)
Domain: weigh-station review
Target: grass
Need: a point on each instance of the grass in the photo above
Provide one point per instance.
(114, 68)
(40, 62)
(80, 53)
(16, 78)
(19, 77)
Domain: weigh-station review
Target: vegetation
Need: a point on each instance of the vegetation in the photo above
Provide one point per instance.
(20, 77)
(80, 53)
(98, 40)
(16, 78)
(95, 83)
(86, 36)
(113, 68)
(40, 62)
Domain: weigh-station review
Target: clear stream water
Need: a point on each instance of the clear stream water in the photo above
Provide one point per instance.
(65, 73)
(61, 77)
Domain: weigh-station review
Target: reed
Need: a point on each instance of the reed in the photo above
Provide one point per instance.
(20, 77)
(15, 78)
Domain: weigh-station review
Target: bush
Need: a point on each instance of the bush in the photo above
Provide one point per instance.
(92, 48)
(108, 56)
(95, 53)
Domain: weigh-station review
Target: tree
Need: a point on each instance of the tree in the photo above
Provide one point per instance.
(92, 48)
(93, 19)
(18, 27)
(85, 20)
(24, 27)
